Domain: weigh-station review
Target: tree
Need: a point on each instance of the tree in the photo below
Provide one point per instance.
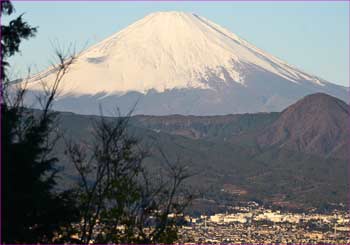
(119, 200)
(32, 211)
(12, 35)
(116, 199)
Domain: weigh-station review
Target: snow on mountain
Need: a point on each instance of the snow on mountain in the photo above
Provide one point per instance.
(188, 64)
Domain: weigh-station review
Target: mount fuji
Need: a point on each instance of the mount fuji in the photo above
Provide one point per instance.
(180, 63)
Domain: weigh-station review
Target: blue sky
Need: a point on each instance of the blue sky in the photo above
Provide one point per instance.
(313, 36)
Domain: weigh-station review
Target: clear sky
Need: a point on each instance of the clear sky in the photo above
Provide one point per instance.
(314, 36)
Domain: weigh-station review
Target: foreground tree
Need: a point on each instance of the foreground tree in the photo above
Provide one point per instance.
(12, 35)
(119, 200)
(31, 209)
(116, 199)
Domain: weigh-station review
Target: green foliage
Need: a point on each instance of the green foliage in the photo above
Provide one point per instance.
(12, 35)
(32, 210)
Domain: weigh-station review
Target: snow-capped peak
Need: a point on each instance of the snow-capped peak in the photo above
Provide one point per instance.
(167, 50)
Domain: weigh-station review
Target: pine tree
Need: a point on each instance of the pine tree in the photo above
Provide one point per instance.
(12, 35)
(32, 211)
(122, 194)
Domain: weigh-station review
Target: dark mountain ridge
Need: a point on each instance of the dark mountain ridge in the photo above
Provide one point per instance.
(318, 124)
(296, 158)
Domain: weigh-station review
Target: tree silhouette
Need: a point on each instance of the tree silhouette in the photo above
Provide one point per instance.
(118, 199)
(12, 35)
(32, 211)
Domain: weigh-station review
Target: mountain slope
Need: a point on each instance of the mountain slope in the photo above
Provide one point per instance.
(318, 124)
(227, 169)
(206, 127)
(174, 62)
